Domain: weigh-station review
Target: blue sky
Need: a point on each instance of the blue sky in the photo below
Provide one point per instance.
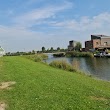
(30, 24)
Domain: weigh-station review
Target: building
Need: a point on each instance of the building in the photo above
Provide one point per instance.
(2, 51)
(98, 42)
(72, 45)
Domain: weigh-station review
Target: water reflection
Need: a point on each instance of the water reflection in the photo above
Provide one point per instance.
(99, 67)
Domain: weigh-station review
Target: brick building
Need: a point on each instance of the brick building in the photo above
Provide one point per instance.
(98, 42)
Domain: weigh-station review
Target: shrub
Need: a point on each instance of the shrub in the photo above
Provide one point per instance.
(43, 56)
(37, 57)
(62, 65)
(59, 55)
(79, 54)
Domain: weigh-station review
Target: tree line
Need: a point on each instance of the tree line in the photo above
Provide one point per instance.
(44, 50)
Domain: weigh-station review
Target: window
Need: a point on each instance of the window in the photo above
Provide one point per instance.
(97, 43)
(105, 43)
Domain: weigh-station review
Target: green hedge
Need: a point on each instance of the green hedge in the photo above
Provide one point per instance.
(79, 54)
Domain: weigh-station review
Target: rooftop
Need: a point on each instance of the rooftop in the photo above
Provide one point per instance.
(102, 36)
(1, 49)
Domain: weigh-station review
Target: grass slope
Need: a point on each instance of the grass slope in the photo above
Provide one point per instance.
(41, 87)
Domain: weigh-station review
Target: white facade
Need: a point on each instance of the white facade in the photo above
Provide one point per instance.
(2, 51)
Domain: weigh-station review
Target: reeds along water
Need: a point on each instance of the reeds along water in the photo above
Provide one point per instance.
(62, 65)
(76, 65)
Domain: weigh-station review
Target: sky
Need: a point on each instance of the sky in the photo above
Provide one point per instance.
(27, 25)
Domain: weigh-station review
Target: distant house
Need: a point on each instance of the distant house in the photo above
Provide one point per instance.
(2, 51)
(98, 42)
(72, 45)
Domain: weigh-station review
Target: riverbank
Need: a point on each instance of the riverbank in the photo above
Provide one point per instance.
(79, 54)
(73, 54)
(39, 86)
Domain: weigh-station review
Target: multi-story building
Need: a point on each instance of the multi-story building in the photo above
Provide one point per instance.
(98, 42)
(72, 45)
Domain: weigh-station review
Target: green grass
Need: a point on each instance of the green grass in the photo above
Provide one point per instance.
(41, 87)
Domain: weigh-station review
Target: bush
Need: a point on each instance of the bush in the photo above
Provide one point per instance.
(59, 55)
(79, 54)
(43, 56)
(37, 57)
(62, 65)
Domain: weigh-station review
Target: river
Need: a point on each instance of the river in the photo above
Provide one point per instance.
(98, 67)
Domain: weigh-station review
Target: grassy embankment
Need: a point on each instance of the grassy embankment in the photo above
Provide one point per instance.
(36, 57)
(41, 87)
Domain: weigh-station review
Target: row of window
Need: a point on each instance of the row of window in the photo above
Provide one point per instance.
(105, 43)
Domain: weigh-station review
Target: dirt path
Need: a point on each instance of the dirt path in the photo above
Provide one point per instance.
(6, 85)
(2, 106)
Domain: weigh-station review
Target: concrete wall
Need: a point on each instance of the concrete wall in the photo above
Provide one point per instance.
(72, 45)
(104, 41)
(2, 53)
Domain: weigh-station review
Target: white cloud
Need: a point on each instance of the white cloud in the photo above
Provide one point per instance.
(35, 16)
(13, 38)
(85, 23)
(18, 38)
(21, 39)
(57, 34)
(81, 30)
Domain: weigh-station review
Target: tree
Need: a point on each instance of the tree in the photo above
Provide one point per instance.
(43, 49)
(62, 50)
(78, 46)
(47, 50)
(58, 49)
(33, 51)
(51, 49)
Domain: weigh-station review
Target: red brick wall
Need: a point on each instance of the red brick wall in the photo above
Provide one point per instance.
(92, 44)
(96, 43)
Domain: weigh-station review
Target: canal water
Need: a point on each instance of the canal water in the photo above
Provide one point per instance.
(98, 67)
